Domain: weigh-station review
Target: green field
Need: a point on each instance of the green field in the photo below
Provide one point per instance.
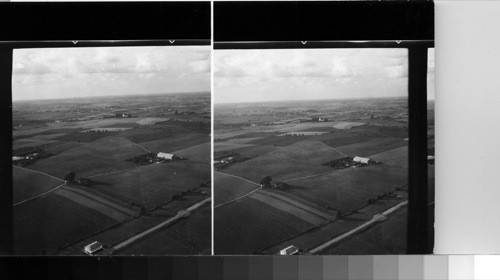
(388, 237)
(248, 225)
(174, 142)
(191, 236)
(52, 220)
(28, 184)
(300, 159)
(372, 147)
(230, 187)
(200, 153)
(104, 155)
(149, 185)
(345, 189)
(394, 157)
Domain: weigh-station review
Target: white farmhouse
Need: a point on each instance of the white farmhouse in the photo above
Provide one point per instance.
(165, 155)
(361, 159)
(93, 247)
(290, 250)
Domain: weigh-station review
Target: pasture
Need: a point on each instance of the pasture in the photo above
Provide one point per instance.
(101, 156)
(387, 237)
(175, 142)
(226, 146)
(247, 225)
(200, 153)
(345, 189)
(149, 185)
(296, 160)
(227, 187)
(347, 125)
(371, 147)
(190, 236)
(395, 157)
(28, 184)
(30, 142)
(52, 220)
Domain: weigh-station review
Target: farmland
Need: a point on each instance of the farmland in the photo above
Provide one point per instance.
(289, 142)
(29, 184)
(94, 139)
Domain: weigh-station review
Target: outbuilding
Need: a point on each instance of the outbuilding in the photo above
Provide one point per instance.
(93, 247)
(165, 155)
(290, 250)
(361, 159)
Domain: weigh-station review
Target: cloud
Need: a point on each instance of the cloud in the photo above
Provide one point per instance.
(72, 72)
(31, 69)
(200, 66)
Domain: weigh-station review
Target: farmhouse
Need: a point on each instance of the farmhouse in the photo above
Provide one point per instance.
(165, 155)
(93, 248)
(361, 159)
(16, 158)
(290, 250)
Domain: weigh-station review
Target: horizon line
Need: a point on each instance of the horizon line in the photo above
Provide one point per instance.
(114, 95)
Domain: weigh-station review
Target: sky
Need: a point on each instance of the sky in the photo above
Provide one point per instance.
(298, 74)
(104, 71)
(430, 74)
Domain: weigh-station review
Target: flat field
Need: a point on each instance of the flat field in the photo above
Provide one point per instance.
(174, 142)
(372, 147)
(191, 236)
(345, 189)
(52, 220)
(28, 184)
(388, 237)
(230, 187)
(101, 156)
(247, 225)
(300, 159)
(394, 157)
(149, 185)
(200, 153)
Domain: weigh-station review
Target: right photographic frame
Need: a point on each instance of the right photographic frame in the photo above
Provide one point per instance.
(311, 149)
(323, 128)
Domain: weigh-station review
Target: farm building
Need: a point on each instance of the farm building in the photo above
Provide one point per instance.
(361, 159)
(165, 155)
(16, 158)
(290, 250)
(93, 247)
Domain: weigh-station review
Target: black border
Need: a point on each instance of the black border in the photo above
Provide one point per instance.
(104, 21)
(323, 20)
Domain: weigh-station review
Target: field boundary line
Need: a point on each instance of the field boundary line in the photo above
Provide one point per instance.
(61, 180)
(141, 147)
(309, 176)
(117, 171)
(337, 151)
(376, 218)
(29, 199)
(236, 177)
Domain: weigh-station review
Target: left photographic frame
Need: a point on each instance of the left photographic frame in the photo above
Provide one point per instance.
(109, 151)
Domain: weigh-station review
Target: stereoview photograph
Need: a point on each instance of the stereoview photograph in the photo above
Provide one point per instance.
(311, 151)
(111, 151)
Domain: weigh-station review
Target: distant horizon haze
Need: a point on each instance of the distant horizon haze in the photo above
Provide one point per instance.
(117, 95)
